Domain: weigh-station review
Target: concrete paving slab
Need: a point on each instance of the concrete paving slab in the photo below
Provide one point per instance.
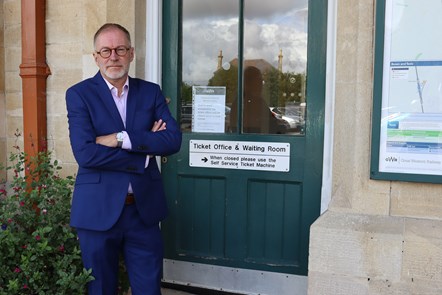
(173, 292)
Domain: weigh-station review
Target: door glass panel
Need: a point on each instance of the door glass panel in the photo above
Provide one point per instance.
(209, 78)
(275, 63)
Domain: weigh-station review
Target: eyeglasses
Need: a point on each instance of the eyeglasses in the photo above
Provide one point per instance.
(106, 52)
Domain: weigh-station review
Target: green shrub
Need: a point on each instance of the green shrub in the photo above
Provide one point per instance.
(39, 251)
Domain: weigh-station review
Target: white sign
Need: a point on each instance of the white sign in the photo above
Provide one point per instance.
(411, 123)
(208, 109)
(246, 155)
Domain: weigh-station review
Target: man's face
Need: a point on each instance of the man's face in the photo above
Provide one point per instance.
(114, 68)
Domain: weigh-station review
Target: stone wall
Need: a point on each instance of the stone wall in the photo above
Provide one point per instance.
(378, 237)
(11, 111)
(2, 99)
(70, 26)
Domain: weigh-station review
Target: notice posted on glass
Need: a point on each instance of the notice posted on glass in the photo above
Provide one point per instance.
(208, 109)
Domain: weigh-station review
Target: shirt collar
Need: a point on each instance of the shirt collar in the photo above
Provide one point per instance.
(125, 86)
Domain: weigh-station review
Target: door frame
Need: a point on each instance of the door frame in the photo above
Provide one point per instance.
(179, 272)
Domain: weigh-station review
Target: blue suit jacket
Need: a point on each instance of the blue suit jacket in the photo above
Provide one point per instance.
(104, 173)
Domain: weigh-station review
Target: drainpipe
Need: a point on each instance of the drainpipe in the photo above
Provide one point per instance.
(34, 71)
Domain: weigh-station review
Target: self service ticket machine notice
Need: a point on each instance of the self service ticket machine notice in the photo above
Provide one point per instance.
(246, 155)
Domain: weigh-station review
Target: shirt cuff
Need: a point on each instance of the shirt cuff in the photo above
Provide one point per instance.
(127, 144)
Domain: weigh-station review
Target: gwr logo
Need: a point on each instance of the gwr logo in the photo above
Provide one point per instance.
(391, 159)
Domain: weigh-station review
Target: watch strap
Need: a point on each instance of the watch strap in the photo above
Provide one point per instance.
(119, 137)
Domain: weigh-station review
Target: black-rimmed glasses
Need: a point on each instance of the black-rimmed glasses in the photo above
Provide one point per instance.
(106, 52)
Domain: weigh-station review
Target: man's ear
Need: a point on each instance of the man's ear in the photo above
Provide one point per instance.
(132, 53)
(95, 55)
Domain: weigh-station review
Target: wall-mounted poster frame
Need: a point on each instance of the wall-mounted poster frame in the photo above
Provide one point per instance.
(407, 93)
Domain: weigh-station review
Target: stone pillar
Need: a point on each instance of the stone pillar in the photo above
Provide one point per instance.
(377, 237)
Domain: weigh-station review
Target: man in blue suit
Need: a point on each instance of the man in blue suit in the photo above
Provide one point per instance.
(117, 124)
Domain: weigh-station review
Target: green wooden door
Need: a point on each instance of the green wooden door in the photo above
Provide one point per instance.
(247, 216)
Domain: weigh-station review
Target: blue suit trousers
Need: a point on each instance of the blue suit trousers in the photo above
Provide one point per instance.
(141, 247)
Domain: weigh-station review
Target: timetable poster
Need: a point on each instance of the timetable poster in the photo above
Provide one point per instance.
(411, 124)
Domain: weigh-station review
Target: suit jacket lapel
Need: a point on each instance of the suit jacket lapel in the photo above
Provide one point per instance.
(106, 97)
(131, 103)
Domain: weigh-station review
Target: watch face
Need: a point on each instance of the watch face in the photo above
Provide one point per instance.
(120, 136)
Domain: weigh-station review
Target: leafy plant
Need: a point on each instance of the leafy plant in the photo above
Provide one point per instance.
(39, 251)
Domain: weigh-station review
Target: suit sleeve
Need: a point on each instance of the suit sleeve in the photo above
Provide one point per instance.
(160, 143)
(83, 131)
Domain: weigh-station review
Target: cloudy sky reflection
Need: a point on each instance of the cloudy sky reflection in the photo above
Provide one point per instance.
(212, 25)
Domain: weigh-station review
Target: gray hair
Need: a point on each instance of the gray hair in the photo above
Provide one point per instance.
(111, 26)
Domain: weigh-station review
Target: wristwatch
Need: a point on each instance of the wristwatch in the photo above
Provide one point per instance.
(120, 137)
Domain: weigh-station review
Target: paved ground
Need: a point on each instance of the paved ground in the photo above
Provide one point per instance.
(173, 292)
(165, 291)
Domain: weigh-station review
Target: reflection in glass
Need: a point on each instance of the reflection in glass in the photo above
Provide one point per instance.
(257, 116)
(209, 42)
(275, 43)
(274, 63)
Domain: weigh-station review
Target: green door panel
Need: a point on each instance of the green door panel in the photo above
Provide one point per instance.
(250, 219)
(255, 220)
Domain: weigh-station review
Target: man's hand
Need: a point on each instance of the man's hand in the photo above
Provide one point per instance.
(109, 140)
(158, 126)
